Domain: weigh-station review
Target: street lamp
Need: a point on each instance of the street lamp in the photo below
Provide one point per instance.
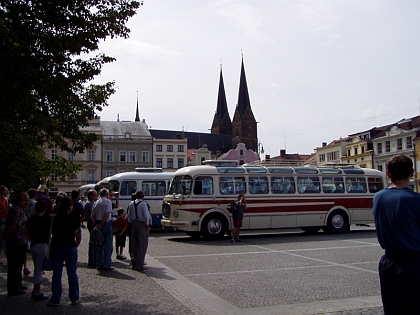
(260, 149)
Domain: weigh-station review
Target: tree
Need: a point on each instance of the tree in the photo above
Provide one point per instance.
(46, 70)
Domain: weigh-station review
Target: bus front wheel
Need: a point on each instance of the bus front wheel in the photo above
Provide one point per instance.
(338, 222)
(214, 226)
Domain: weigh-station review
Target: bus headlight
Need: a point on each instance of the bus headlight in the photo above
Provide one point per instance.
(176, 213)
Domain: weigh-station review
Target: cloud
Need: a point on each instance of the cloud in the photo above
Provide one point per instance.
(246, 19)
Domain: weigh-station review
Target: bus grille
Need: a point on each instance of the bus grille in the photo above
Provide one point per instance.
(166, 210)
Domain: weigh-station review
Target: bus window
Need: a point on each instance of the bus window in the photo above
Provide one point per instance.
(154, 188)
(203, 185)
(258, 185)
(180, 185)
(282, 185)
(375, 184)
(232, 185)
(332, 185)
(308, 184)
(128, 187)
(356, 185)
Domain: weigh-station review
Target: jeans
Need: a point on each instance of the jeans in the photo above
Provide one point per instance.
(104, 253)
(39, 252)
(2, 226)
(15, 258)
(59, 255)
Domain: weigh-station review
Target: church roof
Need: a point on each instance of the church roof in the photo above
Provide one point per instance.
(222, 108)
(213, 142)
(121, 128)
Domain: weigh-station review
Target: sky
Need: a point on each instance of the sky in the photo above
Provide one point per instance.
(316, 70)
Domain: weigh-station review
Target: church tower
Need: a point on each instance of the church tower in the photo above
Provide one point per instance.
(244, 125)
(221, 121)
(137, 109)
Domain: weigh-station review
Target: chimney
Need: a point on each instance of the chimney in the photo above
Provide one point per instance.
(282, 153)
(267, 157)
(324, 144)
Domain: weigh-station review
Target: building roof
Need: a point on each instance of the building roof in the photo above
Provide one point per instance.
(214, 142)
(222, 108)
(243, 95)
(119, 129)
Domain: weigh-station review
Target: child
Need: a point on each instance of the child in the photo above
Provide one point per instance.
(120, 228)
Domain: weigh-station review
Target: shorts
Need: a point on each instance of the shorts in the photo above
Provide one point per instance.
(237, 222)
(120, 241)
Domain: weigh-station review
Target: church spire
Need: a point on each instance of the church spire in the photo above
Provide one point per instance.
(243, 96)
(221, 121)
(137, 110)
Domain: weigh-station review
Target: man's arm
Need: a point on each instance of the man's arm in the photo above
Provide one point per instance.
(145, 214)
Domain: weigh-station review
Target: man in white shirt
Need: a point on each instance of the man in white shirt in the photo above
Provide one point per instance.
(101, 217)
(139, 217)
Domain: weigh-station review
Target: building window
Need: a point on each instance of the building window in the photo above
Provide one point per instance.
(180, 148)
(387, 146)
(54, 177)
(109, 173)
(322, 157)
(132, 156)
(91, 176)
(363, 150)
(53, 154)
(71, 157)
(332, 156)
(123, 156)
(159, 162)
(379, 147)
(348, 152)
(180, 163)
(170, 148)
(170, 163)
(399, 144)
(158, 148)
(380, 168)
(355, 151)
(145, 156)
(110, 156)
(409, 142)
(91, 155)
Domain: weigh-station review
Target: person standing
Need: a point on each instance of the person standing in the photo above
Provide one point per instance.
(77, 207)
(4, 208)
(87, 211)
(37, 229)
(66, 237)
(30, 209)
(16, 244)
(396, 212)
(139, 217)
(120, 229)
(237, 216)
(101, 217)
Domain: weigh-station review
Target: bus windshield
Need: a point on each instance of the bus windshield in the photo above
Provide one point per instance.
(180, 185)
(113, 185)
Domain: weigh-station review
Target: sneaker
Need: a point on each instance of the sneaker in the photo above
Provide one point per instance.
(122, 257)
(119, 257)
(232, 240)
(75, 302)
(238, 240)
(26, 272)
(51, 303)
(40, 297)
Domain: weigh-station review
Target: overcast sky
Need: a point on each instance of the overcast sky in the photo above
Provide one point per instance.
(316, 70)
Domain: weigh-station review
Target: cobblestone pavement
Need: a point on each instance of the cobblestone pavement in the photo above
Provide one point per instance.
(262, 276)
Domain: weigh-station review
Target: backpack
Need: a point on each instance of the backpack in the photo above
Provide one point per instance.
(96, 238)
(233, 208)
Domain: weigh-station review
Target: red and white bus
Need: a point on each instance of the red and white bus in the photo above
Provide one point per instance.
(276, 197)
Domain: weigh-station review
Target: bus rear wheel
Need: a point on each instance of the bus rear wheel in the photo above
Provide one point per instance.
(337, 222)
(214, 226)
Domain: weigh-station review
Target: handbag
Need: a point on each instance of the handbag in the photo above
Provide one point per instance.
(47, 264)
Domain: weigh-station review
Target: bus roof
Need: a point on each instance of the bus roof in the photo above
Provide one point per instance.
(141, 175)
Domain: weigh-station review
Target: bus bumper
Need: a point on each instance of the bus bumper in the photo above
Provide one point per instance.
(169, 223)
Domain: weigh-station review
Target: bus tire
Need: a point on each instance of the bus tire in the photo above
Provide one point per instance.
(194, 235)
(337, 222)
(310, 229)
(214, 226)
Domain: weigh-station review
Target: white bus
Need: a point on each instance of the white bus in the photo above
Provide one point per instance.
(276, 197)
(84, 189)
(154, 185)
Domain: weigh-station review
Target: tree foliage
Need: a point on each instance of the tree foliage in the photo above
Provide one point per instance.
(47, 64)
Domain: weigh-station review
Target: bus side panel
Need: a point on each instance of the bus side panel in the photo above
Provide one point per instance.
(283, 220)
(259, 221)
(310, 219)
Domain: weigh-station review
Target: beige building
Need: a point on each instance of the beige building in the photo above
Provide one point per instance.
(126, 145)
(170, 154)
(331, 154)
(90, 159)
(358, 152)
(197, 156)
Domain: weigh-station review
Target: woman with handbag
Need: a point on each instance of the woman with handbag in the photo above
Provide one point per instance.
(66, 237)
(37, 230)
